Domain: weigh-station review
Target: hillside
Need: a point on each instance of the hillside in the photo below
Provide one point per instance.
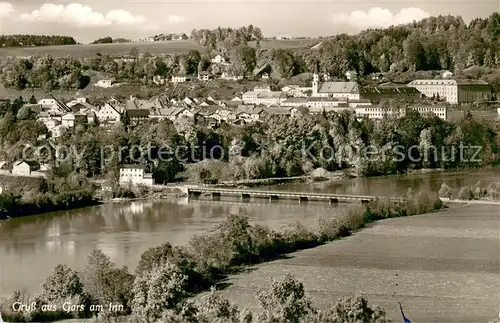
(89, 50)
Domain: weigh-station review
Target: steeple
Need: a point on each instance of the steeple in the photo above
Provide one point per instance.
(315, 84)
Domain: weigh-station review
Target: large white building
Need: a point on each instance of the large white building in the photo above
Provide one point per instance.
(378, 112)
(265, 98)
(135, 175)
(346, 90)
(454, 91)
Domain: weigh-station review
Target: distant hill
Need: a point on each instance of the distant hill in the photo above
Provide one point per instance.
(35, 40)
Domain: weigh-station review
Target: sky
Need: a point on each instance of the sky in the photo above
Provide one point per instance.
(88, 20)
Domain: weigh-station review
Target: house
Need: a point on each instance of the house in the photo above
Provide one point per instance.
(54, 106)
(454, 91)
(108, 114)
(218, 59)
(159, 80)
(70, 120)
(296, 91)
(24, 168)
(106, 83)
(265, 76)
(204, 76)
(137, 115)
(248, 113)
(439, 110)
(231, 77)
(351, 75)
(180, 79)
(135, 175)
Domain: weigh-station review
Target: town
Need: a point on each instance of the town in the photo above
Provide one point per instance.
(282, 170)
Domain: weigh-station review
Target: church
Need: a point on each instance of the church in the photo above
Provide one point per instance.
(329, 89)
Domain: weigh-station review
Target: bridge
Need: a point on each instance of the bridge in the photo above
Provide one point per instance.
(194, 192)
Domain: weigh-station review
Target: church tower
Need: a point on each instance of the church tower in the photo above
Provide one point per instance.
(315, 84)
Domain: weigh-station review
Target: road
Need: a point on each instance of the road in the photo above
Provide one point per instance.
(443, 267)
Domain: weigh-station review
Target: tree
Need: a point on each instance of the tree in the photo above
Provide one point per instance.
(157, 290)
(25, 113)
(284, 301)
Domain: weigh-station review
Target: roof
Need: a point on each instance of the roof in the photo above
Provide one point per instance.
(339, 87)
(448, 82)
(137, 113)
(296, 100)
(278, 110)
(249, 109)
(321, 99)
(389, 90)
(28, 162)
(133, 166)
(270, 95)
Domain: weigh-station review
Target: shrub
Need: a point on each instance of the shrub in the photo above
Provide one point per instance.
(352, 310)
(466, 194)
(493, 190)
(158, 256)
(212, 307)
(156, 290)
(445, 191)
(284, 301)
(63, 282)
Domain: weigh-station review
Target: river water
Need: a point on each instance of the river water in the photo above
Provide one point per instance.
(30, 247)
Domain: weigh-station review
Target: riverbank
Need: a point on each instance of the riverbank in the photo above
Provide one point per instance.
(235, 244)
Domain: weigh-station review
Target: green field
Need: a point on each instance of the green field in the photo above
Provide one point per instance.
(172, 46)
(88, 50)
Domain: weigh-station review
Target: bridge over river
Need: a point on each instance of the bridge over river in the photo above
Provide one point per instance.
(216, 193)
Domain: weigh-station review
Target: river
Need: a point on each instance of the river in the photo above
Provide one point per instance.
(30, 247)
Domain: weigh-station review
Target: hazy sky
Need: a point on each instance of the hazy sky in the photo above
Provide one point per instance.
(88, 20)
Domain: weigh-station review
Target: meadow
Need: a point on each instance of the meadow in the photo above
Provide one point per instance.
(117, 49)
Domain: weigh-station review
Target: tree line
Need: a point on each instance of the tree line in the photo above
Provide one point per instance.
(35, 40)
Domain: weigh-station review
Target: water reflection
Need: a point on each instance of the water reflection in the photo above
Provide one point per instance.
(30, 247)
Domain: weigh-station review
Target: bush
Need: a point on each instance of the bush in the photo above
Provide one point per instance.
(157, 290)
(284, 301)
(445, 191)
(159, 256)
(466, 194)
(352, 310)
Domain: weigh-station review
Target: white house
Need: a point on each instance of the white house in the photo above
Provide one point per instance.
(22, 168)
(265, 76)
(108, 114)
(72, 119)
(135, 175)
(179, 79)
(351, 75)
(218, 59)
(106, 83)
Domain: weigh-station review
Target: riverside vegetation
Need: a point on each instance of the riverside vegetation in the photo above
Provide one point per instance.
(476, 192)
(167, 276)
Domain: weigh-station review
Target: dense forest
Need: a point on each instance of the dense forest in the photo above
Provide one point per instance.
(109, 40)
(437, 43)
(225, 39)
(35, 40)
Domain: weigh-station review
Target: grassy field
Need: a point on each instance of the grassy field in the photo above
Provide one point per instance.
(172, 46)
(87, 50)
(442, 266)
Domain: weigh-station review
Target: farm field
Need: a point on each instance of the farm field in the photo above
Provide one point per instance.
(442, 266)
(172, 46)
(88, 50)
